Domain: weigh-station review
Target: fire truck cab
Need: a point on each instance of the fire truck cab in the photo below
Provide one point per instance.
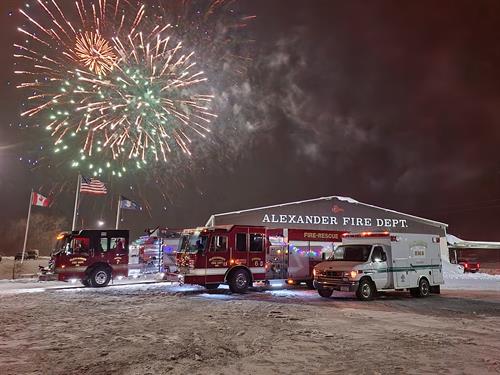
(91, 256)
(241, 255)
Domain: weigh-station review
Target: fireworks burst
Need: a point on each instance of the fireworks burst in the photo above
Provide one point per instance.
(112, 88)
(95, 53)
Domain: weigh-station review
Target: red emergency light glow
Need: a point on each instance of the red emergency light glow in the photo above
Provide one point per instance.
(366, 234)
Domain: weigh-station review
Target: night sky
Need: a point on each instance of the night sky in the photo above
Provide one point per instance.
(392, 103)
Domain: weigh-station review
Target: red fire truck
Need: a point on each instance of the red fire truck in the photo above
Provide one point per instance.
(91, 256)
(96, 256)
(242, 255)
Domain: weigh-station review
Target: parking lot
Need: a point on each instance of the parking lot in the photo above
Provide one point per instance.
(160, 328)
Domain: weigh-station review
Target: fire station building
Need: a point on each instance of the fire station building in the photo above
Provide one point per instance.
(320, 222)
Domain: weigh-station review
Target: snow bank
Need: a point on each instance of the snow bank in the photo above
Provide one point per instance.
(456, 272)
(455, 278)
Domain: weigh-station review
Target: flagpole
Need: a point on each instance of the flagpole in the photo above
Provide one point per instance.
(118, 211)
(27, 226)
(77, 199)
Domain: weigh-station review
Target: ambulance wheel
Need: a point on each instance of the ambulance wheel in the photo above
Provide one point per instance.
(366, 290)
(86, 282)
(424, 289)
(100, 277)
(325, 293)
(239, 281)
(211, 286)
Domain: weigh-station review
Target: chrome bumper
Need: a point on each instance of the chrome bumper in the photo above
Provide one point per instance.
(336, 284)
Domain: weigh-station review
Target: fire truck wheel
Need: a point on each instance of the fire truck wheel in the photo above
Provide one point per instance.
(100, 277)
(366, 290)
(211, 286)
(325, 293)
(239, 281)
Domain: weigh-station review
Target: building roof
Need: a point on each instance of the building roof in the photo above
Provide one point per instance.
(456, 242)
(344, 199)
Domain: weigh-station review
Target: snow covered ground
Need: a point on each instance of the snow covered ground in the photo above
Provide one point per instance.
(163, 328)
(167, 329)
(29, 267)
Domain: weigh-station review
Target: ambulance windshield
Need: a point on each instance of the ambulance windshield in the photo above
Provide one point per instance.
(354, 253)
(193, 243)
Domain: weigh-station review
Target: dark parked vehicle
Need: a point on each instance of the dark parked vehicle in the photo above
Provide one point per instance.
(31, 254)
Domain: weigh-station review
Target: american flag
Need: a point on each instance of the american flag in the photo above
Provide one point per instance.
(92, 186)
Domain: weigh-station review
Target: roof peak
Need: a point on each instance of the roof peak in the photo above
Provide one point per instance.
(340, 198)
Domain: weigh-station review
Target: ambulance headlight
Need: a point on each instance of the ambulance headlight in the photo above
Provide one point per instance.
(317, 272)
(351, 274)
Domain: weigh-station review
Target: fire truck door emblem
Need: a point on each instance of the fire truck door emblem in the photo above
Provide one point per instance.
(118, 260)
(217, 261)
(78, 261)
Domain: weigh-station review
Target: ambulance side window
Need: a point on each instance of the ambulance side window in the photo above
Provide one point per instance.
(256, 242)
(241, 241)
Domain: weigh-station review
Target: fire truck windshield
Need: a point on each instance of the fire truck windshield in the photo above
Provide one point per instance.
(354, 253)
(62, 245)
(193, 243)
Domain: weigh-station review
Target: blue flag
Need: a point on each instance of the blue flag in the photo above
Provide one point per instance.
(128, 204)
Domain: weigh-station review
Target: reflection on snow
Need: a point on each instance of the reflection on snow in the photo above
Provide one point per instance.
(295, 293)
(216, 296)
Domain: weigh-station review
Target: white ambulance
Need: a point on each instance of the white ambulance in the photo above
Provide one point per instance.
(371, 262)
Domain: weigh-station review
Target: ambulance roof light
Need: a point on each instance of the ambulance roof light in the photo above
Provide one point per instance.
(395, 238)
(366, 234)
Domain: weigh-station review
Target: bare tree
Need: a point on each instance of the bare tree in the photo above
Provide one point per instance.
(42, 233)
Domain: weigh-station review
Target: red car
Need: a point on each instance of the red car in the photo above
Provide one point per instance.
(469, 266)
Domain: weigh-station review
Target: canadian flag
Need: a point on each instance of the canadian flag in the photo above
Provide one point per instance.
(40, 200)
